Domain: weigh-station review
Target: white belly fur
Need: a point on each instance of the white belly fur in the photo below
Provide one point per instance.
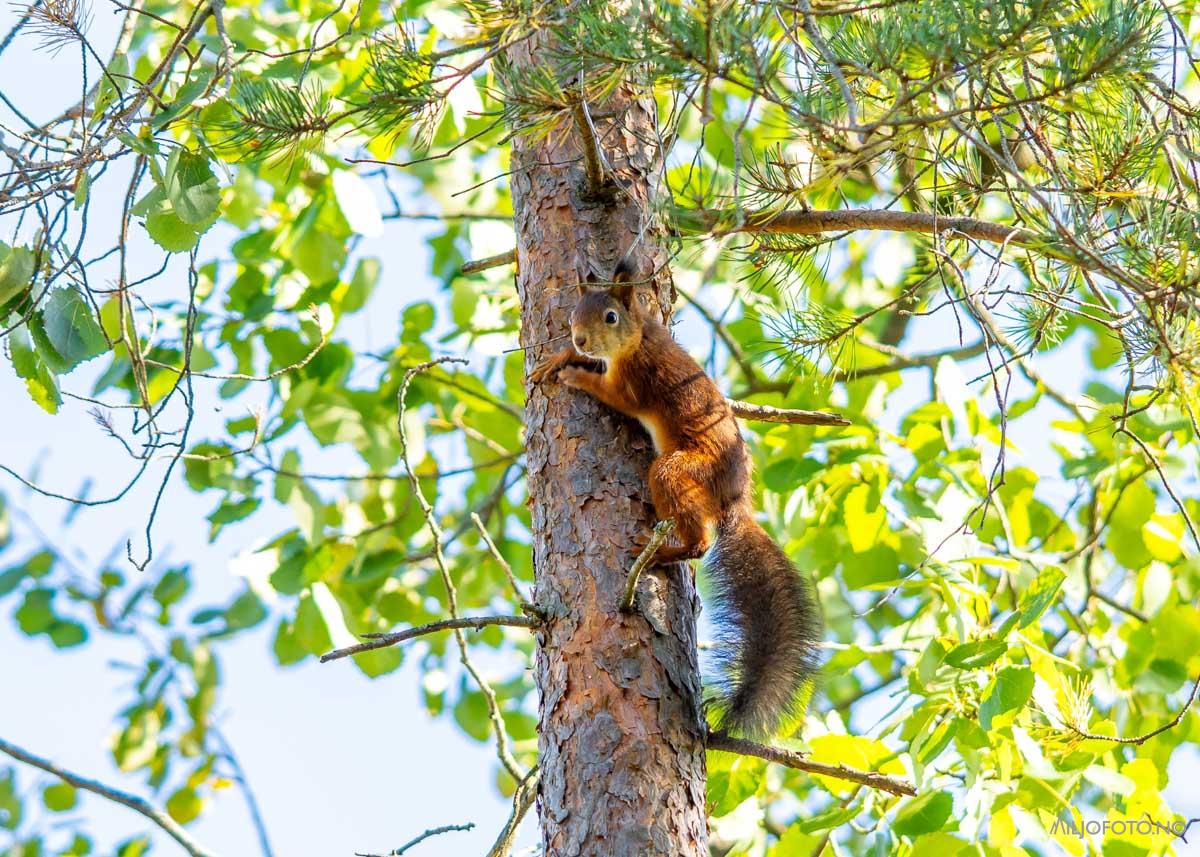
(652, 430)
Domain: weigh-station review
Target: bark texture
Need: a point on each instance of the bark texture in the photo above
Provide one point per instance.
(621, 749)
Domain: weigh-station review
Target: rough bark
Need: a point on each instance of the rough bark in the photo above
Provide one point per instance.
(621, 750)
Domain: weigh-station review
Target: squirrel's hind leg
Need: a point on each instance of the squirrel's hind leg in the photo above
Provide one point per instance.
(679, 491)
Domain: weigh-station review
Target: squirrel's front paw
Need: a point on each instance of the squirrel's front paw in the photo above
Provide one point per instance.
(573, 376)
(543, 371)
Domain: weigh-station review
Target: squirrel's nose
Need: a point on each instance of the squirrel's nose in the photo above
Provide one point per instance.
(580, 340)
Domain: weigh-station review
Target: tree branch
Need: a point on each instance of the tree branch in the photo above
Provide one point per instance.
(1142, 739)
(795, 416)
(436, 831)
(523, 799)
(792, 759)
(382, 641)
(475, 266)
(593, 158)
(725, 221)
(722, 222)
(662, 530)
(137, 804)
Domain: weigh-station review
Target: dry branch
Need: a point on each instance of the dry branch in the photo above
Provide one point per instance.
(768, 414)
(417, 840)
(792, 759)
(475, 266)
(662, 530)
(382, 641)
(137, 804)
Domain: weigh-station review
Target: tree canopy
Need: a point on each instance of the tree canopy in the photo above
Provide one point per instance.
(968, 227)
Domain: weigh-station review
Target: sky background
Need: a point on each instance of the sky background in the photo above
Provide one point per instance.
(339, 763)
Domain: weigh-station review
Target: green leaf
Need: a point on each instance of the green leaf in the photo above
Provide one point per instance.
(71, 330)
(16, 271)
(971, 656)
(923, 814)
(60, 797)
(10, 803)
(362, 284)
(1009, 691)
(136, 847)
(1040, 594)
(785, 475)
(81, 190)
(164, 225)
(191, 187)
(185, 805)
(309, 627)
(35, 614)
(28, 364)
(865, 517)
(246, 611)
(169, 232)
(65, 634)
(172, 586)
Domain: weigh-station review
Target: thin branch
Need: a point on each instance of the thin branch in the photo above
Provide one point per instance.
(792, 759)
(239, 774)
(499, 557)
(795, 416)
(522, 800)
(902, 361)
(437, 537)
(474, 267)
(886, 220)
(137, 804)
(382, 641)
(593, 158)
(1142, 739)
(436, 831)
(817, 222)
(662, 530)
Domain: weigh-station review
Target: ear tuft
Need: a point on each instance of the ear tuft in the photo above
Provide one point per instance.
(625, 271)
(586, 283)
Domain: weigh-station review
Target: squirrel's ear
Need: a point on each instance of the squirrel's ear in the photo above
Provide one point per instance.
(623, 289)
(624, 292)
(625, 271)
(586, 283)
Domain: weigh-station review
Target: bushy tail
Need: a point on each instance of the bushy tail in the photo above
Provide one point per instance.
(769, 624)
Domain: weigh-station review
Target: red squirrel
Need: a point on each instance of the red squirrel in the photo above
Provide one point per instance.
(769, 621)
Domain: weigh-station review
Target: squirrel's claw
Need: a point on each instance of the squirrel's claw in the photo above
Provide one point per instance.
(543, 371)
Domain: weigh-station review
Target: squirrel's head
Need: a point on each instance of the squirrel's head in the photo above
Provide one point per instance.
(607, 322)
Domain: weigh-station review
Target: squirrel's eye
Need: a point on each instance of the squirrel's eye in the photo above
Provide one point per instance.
(611, 317)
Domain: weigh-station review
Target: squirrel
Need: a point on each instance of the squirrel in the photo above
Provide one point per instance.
(768, 619)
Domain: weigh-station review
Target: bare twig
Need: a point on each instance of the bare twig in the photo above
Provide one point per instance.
(662, 530)
(593, 158)
(1142, 739)
(436, 831)
(507, 569)
(239, 774)
(768, 414)
(435, 532)
(382, 641)
(522, 800)
(792, 759)
(137, 804)
(477, 265)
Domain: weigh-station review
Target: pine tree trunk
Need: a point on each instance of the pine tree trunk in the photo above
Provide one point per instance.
(621, 751)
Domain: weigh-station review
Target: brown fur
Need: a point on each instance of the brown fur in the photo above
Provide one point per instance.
(626, 358)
